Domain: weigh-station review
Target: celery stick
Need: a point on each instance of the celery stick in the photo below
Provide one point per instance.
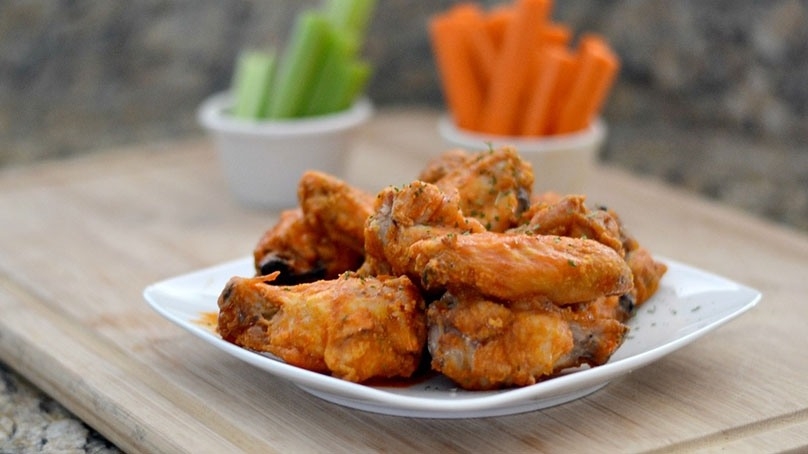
(251, 83)
(333, 77)
(358, 76)
(351, 15)
(296, 71)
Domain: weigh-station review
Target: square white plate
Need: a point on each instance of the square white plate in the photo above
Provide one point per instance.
(689, 303)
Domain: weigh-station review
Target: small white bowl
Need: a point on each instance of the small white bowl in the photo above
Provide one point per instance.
(561, 163)
(263, 160)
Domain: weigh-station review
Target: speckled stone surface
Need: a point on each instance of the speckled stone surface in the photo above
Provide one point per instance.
(32, 422)
(712, 97)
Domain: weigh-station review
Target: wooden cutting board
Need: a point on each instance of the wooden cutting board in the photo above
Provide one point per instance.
(82, 238)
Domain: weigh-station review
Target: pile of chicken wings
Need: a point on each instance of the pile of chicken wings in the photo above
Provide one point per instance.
(464, 269)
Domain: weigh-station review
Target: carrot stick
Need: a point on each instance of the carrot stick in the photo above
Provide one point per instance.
(496, 22)
(500, 111)
(598, 68)
(460, 86)
(563, 86)
(605, 85)
(556, 34)
(548, 66)
(482, 51)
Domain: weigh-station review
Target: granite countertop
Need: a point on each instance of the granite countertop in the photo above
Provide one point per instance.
(32, 422)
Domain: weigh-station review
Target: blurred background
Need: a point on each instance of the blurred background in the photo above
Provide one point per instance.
(712, 95)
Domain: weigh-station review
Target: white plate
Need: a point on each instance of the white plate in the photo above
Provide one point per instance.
(688, 304)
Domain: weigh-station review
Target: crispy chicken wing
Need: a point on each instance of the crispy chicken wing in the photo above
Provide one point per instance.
(616, 307)
(559, 269)
(570, 217)
(647, 273)
(494, 187)
(301, 252)
(354, 328)
(322, 238)
(403, 216)
(484, 344)
(443, 164)
(337, 208)
(646, 269)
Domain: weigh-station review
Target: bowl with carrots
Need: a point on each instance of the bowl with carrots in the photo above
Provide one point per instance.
(561, 163)
(293, 109)
(511, 75)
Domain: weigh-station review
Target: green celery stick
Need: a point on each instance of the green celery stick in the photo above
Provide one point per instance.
(358, 76)
(333, 77)
(301, 61)
(251, 83)
(351, 15)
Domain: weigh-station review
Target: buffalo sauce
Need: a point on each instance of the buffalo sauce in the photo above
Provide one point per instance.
(209, 320)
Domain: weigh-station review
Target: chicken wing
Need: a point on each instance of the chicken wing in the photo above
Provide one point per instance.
(354, 328)
(322, 238)
(647, 273)
(300, 252)
(337, 208)
(483, 344)
(443, 164)
(615, 307)
(559, 269)
(494, 187)
(570, 217)
(403, 216)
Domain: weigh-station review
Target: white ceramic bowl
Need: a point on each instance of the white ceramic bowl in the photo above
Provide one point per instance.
(263, 160)
(561, 163)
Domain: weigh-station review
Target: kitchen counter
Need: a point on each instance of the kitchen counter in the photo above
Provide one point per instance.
(83, 237)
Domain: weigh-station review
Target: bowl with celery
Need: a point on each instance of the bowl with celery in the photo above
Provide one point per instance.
(293, 109)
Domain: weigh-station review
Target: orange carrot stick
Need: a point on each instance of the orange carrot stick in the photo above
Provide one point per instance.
(482, 51)
(500, 110)
(598, 68)
(557, 34)
(609, 78)
(497, 21)
(460, 86)
(548, 66)
(564, 83)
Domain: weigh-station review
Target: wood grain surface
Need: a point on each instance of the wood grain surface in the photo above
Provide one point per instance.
(81, 238)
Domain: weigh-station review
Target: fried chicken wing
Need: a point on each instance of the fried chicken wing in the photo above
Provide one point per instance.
(354, 328)
(494, 186)
(443, 164)
(337, 208)
(483, 344)
(403, 216)
(570, 217)
(646, 269)
(322, 238)
(300, 252)
(559, 269)
(615, 307)
(647, 273)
